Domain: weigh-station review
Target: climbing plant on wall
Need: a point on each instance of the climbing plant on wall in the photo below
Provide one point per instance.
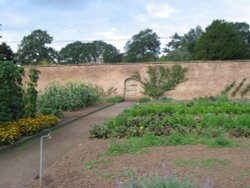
(30, 97)
(161, 79)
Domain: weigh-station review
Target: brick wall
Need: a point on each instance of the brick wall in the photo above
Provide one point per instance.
(204, 78)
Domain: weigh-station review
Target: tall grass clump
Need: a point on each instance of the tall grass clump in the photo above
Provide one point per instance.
(68, 97)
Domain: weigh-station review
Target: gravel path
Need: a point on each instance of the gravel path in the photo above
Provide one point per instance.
(19, 165)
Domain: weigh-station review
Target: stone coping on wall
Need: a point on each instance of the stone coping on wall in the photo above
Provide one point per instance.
(143, 63)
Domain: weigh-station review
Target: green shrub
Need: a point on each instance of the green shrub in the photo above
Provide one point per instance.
(11, 92)
(51, 111)
(222, 98)
(144, 100)
(68, 97)
(240, 131)
(116, 99)
(165, 99)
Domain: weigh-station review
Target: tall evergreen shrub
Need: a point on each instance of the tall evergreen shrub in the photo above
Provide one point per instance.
(11, 92)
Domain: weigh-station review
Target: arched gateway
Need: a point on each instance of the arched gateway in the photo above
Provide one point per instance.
(131, 89)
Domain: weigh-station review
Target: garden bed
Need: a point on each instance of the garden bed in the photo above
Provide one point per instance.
(85, 167)
(206, 141)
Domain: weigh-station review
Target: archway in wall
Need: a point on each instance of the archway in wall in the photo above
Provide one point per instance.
(131, 89)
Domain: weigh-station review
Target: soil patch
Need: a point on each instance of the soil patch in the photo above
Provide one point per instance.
(85, 166)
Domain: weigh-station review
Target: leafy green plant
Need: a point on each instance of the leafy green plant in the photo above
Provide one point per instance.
(11, 92)
(201, 116)
(165, 99)
(240, 131)
(30, 97)
(238, 87)
(51, 111)
(222, 98)
(161, 79)
(68, 97)
(116, 99)
(144, 100)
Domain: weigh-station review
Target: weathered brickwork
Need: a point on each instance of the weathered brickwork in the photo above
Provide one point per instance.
(204, 78)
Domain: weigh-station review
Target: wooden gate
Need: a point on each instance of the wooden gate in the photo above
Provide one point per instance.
(131, 90)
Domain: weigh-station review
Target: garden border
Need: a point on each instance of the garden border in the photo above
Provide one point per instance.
(46, 131)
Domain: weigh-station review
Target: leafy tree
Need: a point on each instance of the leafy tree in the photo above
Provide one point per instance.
(223, 41)
(161, 79)
(244, 31)
(181, 48)
(6, 54)
(78, 52)
(11, 92)
(72, 53)
(109, 52)
(144, 46)
(33, 49)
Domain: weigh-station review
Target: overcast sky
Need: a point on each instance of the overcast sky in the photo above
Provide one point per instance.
(112, 20)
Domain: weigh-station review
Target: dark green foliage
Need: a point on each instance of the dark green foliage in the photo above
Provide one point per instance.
(51, 111)
(240, 131)
(78, 53)
(223, 41)
(228, 88)
(181, 48)
(30, 97)
(144, 46)
(99, 132)
(68, 97)
(11, 93)
(161, 79)
(238, 87)
(116, 99)
(165, 99)
(200, 116)
(6, 54)
(144, 100)
(245, 90)
(33, 49)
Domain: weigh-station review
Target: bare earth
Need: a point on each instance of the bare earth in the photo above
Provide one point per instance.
(84, 166)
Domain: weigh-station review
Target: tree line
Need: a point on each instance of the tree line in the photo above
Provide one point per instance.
(221, 40)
